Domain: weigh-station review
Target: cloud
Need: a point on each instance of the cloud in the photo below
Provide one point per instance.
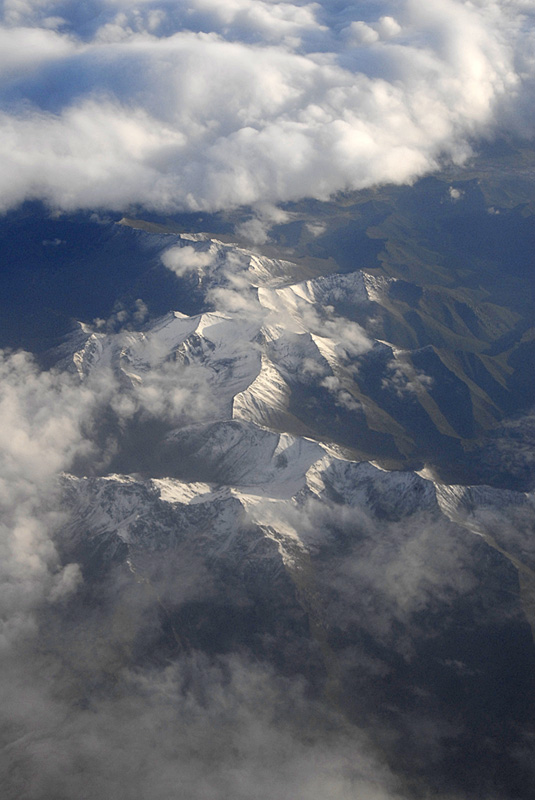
(388, 27)
(455, 194)
(43, 418)
(250, 102)
(238, 283)
(379, 563)
(89, 706)
(96, 701)
(255, 230)
(123, 318)
(200, 728)
(360, 33)
(53, 242)
(182, 260)
(403, 378)
(51, 421)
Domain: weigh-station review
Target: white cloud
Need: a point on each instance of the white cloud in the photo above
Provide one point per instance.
(222, 105)
(388, 27)
(404, 378)
(222, 727)
(455, 194)
(42, 431)
(182, 260)
(361, 33)
(50, 420)
(22, 50)
(256, 229)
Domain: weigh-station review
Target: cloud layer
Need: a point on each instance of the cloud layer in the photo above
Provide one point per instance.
(79, 717)
(209, 105)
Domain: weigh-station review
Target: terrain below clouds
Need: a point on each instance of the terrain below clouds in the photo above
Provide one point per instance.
(267, 497)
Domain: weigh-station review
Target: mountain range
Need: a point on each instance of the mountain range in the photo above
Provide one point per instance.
(311, 454)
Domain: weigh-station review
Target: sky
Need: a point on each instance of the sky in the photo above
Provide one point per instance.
(209, 105)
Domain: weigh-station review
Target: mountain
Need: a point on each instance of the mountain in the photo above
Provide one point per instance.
(388, 369)
(294, 476)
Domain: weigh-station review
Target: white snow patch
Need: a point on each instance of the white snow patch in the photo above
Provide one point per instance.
(175, 491)
(376, 286)
(267, 394)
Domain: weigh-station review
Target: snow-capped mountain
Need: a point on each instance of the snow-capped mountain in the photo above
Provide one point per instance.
(329, 357)
(231, 431)
(278, 463)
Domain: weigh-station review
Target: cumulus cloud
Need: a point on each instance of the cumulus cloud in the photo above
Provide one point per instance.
(252, 101)
(182, 260)
(255, 230)
(361, 33)
(403, 378)
(455, 194)
(51, 421)
(43, 417)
